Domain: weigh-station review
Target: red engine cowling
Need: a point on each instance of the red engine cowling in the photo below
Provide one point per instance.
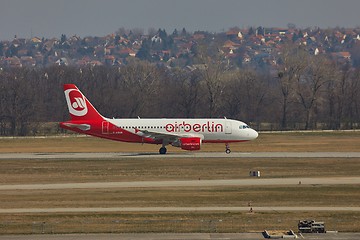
(190, 144)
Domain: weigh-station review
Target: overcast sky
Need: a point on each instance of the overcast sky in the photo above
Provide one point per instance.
(51, 18)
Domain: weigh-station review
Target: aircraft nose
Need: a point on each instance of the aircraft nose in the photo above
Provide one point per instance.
(253, 134)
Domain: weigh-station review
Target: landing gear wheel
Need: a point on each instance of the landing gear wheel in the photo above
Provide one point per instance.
(227, 150)
(162, 150)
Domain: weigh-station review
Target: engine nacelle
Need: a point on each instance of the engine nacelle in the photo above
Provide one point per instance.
(191, 144)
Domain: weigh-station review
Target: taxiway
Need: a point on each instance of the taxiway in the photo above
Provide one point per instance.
(122, 155)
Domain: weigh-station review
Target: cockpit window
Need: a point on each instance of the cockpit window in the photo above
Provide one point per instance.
(243, 126)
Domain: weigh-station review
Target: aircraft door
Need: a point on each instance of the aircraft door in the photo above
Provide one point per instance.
(228, 128)
(105, 127)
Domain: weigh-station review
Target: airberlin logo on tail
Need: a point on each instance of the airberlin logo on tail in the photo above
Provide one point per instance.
(76, 102)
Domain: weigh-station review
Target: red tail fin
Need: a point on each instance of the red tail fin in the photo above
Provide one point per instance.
(80, 108)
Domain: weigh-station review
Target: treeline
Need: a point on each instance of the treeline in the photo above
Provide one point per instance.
(307, 92)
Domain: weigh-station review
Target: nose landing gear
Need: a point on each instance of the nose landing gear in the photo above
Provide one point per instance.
(227, 148)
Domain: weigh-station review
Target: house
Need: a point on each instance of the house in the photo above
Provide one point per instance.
(246, 59)
(125, 52)
(198, 36)
(156, 39)
(342, 55)
(234, 34)
(109, 50)
(95, 63)
(28, 61)
(36, 40)
(229, 47)
(49, 44)
(280, 31)
(62, 62)
(109, 59)
(13, 62)
(39, 58)
(22, 52)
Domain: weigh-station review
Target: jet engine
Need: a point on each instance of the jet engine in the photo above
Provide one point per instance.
(191, 143)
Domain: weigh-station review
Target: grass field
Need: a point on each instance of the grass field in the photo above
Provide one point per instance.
(143, 169)
(338, 141)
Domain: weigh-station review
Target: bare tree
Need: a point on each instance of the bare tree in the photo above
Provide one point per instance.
(184, 89)
(212, 69)
(352, 100)
(245, 95)
(140, 82)
(308, 87)
(18, 103)
(337, 89)
(294, 61)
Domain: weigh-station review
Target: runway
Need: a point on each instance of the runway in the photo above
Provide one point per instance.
(122, 155)
(181, 209)
(189, 183)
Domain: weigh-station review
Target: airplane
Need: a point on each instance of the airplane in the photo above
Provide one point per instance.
(188, 134)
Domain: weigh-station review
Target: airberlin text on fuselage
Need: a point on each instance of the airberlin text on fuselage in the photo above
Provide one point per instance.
(196, 127)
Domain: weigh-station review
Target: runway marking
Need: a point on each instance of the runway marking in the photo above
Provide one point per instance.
(189, 183)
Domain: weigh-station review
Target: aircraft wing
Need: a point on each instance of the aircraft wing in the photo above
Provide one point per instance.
(166, 136)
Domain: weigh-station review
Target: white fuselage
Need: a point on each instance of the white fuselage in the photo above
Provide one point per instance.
(209, 130)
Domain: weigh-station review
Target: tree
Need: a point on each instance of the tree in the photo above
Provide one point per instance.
(175, 33)
(144, 51)
(1, 49)
(211, 68)
(185, 86)
(63, 38)
(308, 87)
(346, 95)
(140, 82)
(162, 34)
(294, 61)
(355, 55)
(245, 95)
(117, 40)
(18, 102)
(184, 32)
(291, 26)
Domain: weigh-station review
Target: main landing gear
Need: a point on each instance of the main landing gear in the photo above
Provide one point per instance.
(227, 148)
(162, 150)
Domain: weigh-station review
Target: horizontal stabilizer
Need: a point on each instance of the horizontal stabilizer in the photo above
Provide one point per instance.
(83, 127)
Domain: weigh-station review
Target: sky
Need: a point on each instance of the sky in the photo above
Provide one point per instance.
(51, 18)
